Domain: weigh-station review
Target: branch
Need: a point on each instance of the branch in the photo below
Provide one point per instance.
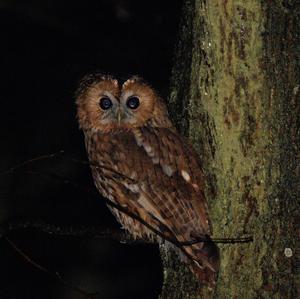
(95, 232)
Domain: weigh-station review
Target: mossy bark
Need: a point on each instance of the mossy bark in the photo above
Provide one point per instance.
(236, 94)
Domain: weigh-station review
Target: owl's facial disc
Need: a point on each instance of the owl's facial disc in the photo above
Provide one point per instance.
(104, 105)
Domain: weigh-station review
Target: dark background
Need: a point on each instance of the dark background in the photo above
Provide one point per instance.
(46, 47)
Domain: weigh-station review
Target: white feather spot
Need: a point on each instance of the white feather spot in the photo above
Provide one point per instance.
(149, 150)
(132, 187)
(185, 175)
(155, 160)
(196, 186)
(167, 170)
(138, 138)
(127, 82)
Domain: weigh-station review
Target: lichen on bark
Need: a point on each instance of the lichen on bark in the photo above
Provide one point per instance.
(235, 94)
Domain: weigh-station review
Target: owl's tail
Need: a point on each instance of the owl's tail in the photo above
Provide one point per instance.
(206, 261)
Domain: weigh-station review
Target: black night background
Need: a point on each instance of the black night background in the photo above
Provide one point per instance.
(46, 47)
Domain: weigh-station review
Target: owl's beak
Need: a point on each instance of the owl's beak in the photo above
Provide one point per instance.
(119, 117)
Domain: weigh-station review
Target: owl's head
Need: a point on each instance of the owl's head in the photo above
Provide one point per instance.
(103, 104)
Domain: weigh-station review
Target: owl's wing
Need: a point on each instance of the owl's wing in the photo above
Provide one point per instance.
(160, 176)
(176, 178)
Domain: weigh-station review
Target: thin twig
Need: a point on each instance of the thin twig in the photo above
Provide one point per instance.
(24, 163)
(248, 239)
(97, 232)
(54, 275)
(218, 240)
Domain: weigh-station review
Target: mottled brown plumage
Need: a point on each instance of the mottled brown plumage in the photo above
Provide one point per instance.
(147, 166)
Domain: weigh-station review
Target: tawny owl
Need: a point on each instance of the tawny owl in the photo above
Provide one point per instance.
(139, 161)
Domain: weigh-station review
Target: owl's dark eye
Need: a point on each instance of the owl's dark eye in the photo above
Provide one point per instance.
(105, 103)
(133, 102)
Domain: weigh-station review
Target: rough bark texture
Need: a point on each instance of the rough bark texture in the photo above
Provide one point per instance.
(236, 95)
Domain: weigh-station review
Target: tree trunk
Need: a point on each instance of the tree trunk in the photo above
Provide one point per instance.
(236, 94)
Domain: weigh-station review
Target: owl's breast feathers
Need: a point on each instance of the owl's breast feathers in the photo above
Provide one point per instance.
(157, 175)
